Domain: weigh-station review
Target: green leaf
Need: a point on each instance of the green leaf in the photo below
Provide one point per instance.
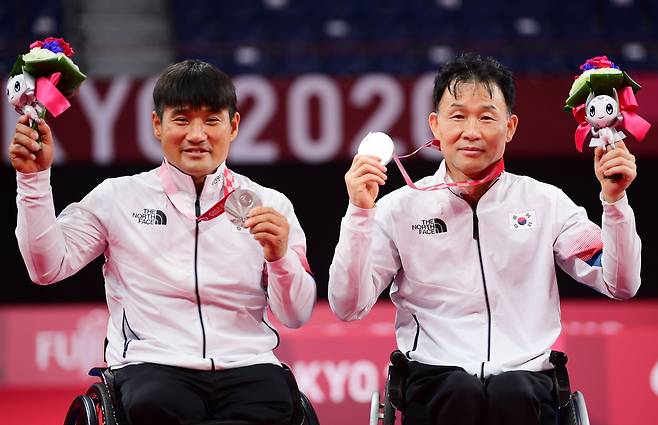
(599, 83)
(578, 97)
(18, 66)
(604, 83)
(70, 79)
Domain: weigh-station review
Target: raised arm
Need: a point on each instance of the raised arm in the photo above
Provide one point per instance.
(607, 258)
(290, 286)
(52, 248)
(366, 259)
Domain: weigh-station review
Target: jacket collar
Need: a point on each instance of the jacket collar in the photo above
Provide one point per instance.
(441, 176)
(179, 187)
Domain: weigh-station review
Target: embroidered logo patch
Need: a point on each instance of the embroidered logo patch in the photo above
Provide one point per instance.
(522, 220)
(430, 226)
(150, 216)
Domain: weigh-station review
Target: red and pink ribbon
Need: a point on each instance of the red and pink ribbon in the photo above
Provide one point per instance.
(215, 211)
(492, 174)
(49, 96)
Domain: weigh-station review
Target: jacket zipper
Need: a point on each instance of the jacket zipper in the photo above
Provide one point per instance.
(197, 210)
(476, 237)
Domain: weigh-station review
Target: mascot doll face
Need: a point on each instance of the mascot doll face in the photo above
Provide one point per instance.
(20, 90)
(602, 111)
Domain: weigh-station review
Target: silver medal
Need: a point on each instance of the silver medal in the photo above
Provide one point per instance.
(239, 203)
(378, 144)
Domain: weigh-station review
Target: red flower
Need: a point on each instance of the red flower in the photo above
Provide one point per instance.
(597, 62)
(57, 45)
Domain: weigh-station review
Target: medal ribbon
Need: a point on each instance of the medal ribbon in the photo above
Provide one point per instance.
(493, 173)
(214, 211)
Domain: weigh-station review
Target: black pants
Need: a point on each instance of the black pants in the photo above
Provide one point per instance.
(157, 394)
(446, 395)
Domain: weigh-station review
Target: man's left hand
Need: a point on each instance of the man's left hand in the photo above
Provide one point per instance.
(270, 229)
(615, 169)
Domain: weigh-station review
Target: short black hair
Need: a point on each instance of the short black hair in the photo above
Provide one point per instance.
(470, 67)
(196, 84)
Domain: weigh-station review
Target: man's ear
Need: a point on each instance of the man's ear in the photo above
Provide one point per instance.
(235, 124)
(157, 125)
(433, 120)
(512, 122)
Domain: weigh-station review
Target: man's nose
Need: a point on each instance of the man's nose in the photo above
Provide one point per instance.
(471, 128)
(196, 131)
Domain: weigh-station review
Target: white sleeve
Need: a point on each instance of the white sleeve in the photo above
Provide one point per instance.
(54, 248)
(291, 288)
(365, 261)
(607, 259)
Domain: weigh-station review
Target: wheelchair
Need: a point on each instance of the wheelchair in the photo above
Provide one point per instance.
(100, 404)
(571, 408)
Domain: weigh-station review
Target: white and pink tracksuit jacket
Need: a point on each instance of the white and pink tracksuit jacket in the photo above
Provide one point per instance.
(180, 292)
(477, 287)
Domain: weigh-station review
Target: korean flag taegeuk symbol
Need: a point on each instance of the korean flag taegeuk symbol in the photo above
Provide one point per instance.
(524, 220)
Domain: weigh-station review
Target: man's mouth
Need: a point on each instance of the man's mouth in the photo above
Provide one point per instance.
(196, 150)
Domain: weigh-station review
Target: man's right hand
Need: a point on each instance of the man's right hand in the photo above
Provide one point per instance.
(363, 180)
(25, 154)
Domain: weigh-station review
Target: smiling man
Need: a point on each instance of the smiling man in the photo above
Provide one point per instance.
(187, 291)
(473, 266)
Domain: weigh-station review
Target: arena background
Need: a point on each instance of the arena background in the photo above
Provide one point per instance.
(312, 81)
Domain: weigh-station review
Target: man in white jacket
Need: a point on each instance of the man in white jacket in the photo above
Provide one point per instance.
(472, 266)
(187, 289)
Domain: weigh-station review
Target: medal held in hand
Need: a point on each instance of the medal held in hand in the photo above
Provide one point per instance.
(378, 144)
(239, 203)
(381, 145)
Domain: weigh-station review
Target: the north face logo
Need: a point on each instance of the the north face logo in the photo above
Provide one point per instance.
(149, 216)
(430, 226)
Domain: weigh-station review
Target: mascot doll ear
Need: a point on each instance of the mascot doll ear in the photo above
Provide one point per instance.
(615, 95)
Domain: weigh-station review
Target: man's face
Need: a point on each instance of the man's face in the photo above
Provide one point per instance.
(196, 141)
(473, 127)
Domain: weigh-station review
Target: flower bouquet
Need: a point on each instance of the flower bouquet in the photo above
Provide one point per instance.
(601, 100)
(42, 79)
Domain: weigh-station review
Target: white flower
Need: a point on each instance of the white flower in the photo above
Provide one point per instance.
(37, 54)
(584, 77)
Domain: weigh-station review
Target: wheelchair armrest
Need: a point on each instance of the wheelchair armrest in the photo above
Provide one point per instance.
(396, 386)
(400, 361)
(562, 388)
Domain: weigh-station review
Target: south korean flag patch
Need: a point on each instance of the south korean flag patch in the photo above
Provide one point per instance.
(524, 220)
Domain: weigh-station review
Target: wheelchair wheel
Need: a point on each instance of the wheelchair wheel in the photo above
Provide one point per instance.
(580, 408)
(389, 410)
(310, 418)
(575, 412)
(81, 412)
(374, 409)
(102, 403)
